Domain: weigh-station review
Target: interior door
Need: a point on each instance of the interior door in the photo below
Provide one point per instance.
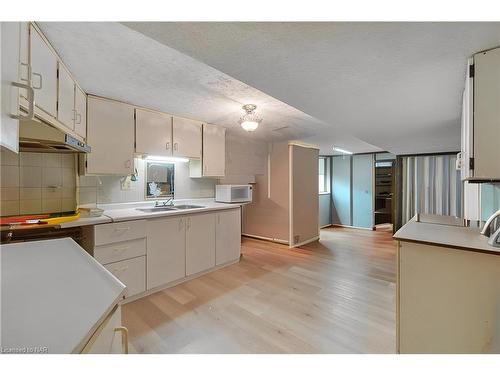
(200, 243)
(9, 126)
(227, 236)
(66, 98)
(110, 133)
(43, 73)
(186, 138)
(166, 250)
(214, 150)
(153, 133)
(81, 113)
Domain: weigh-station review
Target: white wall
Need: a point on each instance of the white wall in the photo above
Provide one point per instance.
(107, 189)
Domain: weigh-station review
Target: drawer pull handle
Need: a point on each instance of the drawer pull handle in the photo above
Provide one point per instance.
(120, 249)
(122, 229)
(124, 331)
(120, 269)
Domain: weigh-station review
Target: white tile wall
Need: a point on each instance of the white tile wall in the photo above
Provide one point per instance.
(33, 183)
(107, 189)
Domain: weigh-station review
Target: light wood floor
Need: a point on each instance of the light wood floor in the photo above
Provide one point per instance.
(333, 296)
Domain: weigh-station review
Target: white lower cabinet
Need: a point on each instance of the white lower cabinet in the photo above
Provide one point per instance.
(227, 236)
(152, 253)
(200, 243)
(166, 253)
(131, 272)
(110, 337)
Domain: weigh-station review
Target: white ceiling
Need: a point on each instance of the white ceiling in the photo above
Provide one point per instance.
(394, 85)
(112, 60)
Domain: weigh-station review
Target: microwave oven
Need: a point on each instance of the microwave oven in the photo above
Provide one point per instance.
(233, 193)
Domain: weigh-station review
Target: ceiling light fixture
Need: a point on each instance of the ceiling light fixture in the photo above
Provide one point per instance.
(166, 159)
(250, 121)
(341, 150)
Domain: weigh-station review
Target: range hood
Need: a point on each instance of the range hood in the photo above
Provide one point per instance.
(38, 136)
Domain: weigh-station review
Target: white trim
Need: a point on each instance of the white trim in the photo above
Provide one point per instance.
(353, 227)
(177, 282)
(316, 238)
(302, 144)
(325, 226)
(277, 240)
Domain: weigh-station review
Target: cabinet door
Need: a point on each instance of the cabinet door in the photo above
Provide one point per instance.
(200, 243)
(153, 133)
(486, 135)
(106, 340)
(166, 250)
(214, 150)
(81, 113)
(9, 126)
(66, 98)
(227, 236)
(43, 73)
(186, 138)
(110, 133)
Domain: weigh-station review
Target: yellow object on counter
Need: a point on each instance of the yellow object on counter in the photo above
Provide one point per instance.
(62, 219)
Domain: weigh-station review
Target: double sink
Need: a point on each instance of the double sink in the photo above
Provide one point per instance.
(170, 208)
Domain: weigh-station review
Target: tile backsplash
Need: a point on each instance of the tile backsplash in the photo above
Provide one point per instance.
(107, 189)
(34, 183)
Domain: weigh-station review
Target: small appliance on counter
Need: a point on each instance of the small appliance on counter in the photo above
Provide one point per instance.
(233, 193)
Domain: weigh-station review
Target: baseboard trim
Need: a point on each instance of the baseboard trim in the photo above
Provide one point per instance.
(316, 238)
(326, 226)
(177, 282)
(351, 226)
(277, 240)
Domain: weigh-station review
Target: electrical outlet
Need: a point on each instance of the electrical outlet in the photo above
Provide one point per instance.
(125, 183)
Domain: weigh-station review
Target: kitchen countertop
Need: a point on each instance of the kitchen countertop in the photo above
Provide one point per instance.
(83, 221)
(444, 231)
(54, 295)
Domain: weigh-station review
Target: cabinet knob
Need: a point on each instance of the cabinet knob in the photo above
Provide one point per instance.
(167, 145)
(176, 146)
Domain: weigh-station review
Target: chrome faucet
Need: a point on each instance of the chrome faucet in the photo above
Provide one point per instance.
(168, 202)
(487, 230)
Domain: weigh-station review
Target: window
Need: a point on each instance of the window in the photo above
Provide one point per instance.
(324, 175)
(159, 180)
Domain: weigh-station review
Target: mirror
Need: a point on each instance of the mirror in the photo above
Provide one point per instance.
(159, 180)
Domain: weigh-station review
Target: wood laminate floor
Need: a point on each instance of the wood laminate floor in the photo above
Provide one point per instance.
(332, 296)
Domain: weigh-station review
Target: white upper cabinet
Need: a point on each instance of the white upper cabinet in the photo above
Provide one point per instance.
(110, 133)
(43, 73)
(487, 114)
(9, 124)
(80, 113)
(66, 98)
(186, 138)
(153, 133)
(480, 151)
(214, 150)
(227, 236)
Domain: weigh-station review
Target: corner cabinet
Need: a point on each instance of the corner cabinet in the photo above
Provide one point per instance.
(110, 133)
(479, 159)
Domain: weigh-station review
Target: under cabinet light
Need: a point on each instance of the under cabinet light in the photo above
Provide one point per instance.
(166, 159)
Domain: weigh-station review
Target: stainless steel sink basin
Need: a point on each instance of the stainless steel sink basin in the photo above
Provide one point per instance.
(187, 206)
(157, 209)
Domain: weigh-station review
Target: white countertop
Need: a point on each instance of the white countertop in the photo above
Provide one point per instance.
(54, 295)
(440, 231)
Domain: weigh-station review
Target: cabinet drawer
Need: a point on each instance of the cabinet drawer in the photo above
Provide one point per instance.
(118, 232)
(131, 272)
(120, 251)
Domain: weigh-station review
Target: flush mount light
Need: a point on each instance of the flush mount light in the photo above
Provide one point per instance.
(341, 150)
(250, 121)
(166, 159)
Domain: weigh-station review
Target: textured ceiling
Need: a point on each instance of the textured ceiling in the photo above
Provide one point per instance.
(394, 85)
(112, 60)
